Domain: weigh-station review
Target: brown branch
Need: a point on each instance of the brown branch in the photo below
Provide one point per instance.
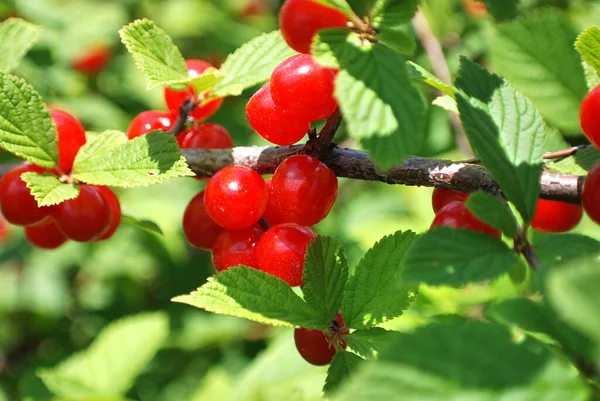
(565, 152)
(319, 144)
(179, 126)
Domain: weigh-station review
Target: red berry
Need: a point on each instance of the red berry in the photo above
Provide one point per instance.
(207, 136)
(272, 214)
(200, 230)
(556, 217)
(476, 9)
(456, 215)
(274, 123)
(5, 231)
(441, 197)
(303, 190)
(281, 251)
(233, 248)
(318, 347)
(45, 234)
(150, 120)
(175, 99)
(115, 209)
(71, 137)
(301, 86)
(300, 20)
(18, 205)
(92, 61)
(590, 196)
(236, 197)
(588, 116)
(84, 218)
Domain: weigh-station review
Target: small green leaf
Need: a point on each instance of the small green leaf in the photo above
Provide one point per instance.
(26, 128)
(392, 13)
(419, 73)
(502, 10)
(559, 248)
(588, 46)
(110, 159)
(447, 256)
(342, 367)
(476, 81)
(368, 343)
(18, 36)
(254, 295)
(492, 210)
(591, 76)
(325, 274)
(48, 190)
(154, 53)
(579, 164)
(252, 63)
(375, 293)
(398, 40)
(142, 224)
(341, 5)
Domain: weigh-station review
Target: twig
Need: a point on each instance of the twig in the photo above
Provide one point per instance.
(565, 152)
(318, 144)
(186, 108)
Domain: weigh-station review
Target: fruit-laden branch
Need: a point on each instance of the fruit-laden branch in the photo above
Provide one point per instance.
(458, 176)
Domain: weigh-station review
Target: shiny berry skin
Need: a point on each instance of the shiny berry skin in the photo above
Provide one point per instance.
(588, 116)
(272, 214)
(199, 229)
(207, 136)
(115, 209)
(236, 197)
(5, 231)
(18, 205)
(234, 248)
(281, 251)
(302, 87)
(71, 137)
(175, 99)
(92, 61)
(84, 218)
(300, 20)
(456, 215)
(441, 197)
(45, 234)
(272, 122)
(150, 120)
(590, 197)
(303, 190)
(556, 217)
(317, 347)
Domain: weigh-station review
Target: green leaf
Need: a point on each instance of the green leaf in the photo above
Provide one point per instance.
(110, 365)
(375, 293)
(419, 73)
(447, 256)
(476, 81)
(492, 210)
(142, 224)
(591, 76)
(48, 190)
(254, 295)
(557, 248)
(325, 274)
(398, 40)
(368, 343)
(154, 53)
(252, 63)
(110, 159)
(536, 51)
(342, 367)
(579, 164)
(588, 46)
(341, 5)
(392, 13)
(26, 128)
(502, 10)
(18, 36)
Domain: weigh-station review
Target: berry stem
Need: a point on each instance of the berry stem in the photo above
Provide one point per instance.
(186, 108)
(264, 224)
(559, 154)
(316, 145)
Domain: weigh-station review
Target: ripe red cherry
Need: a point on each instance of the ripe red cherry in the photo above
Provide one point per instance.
(301, 86)
(150, 120)
(5, 231)
(18, 205)
(556, 217)
(207, 136)
(300, 20)
(84, 218)
(303, 190)
(588, 116)
(272, 214)
(281, 251)
(45, 234)
(590, 197)
(274, 123)
(115, 209)
(71, 137)
(456, 215)
(200, 230)
(318, 347)
(92, 61)
(441, 197)
(234, 248)
(175, 99)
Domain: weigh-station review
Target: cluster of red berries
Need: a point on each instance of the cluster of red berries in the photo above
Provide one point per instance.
(93, 216)
(590, 123)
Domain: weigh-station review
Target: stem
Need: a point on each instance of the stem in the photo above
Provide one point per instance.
(319, 144)
(565, 152)
(185, 109)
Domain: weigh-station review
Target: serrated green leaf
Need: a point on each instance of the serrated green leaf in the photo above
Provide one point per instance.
(368, 343)
(48, 190)
(502, 10)
(591, 76)
(26, 128)
(588, 46)
(392, 13)
(398, 40)
(341, 5)
(109, 159)
(342, 367)
(206, 80)
(536, 51)
(142, 224)
(254, 295)
(324, 276)
(446, 103)
(476, 81)
(417, 72)
(375, 292)
(109, 366)
(18, 36)
(154, 53)
(492, 210)
(579, 164)
(447, 256)
(559, 248)
(252, 63)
